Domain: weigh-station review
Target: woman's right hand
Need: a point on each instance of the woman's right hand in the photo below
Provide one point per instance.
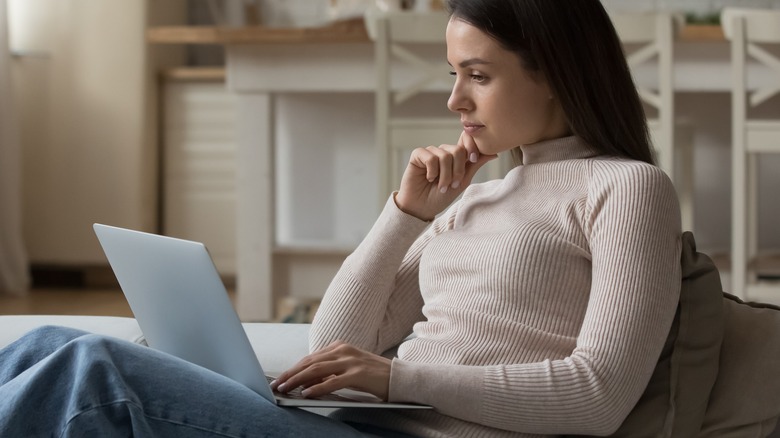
(435, 176)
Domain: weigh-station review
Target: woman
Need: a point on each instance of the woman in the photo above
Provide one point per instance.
(539, 303)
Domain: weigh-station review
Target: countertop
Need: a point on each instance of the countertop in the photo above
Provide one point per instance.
(351, 31)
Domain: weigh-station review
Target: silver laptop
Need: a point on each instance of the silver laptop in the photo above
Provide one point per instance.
(183, 309)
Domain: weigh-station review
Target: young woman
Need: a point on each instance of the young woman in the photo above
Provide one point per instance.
(539, 302)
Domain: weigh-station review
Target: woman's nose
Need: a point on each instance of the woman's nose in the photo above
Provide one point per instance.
(458, 101)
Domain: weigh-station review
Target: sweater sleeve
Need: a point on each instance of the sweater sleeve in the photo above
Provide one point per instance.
(633, 229)
(374, 299)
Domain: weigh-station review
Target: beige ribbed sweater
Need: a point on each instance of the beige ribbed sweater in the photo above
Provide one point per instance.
(540, 302)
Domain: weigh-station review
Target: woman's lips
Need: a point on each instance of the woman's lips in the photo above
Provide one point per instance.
(472, 129)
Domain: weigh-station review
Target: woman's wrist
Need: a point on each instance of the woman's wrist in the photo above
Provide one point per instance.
(407, 211)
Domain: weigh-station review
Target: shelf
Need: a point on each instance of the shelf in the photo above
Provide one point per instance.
(348, 31)
(211, 74)
(314, 249)
(702, 32)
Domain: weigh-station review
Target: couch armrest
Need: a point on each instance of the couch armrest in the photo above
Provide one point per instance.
(279, 346)
(12, 327)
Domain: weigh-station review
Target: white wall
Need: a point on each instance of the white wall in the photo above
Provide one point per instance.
(84, 106)
(710, 116)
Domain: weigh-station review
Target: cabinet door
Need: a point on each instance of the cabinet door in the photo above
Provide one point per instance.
(199, 165)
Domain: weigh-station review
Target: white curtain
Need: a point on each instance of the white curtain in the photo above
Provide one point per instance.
(14, 277)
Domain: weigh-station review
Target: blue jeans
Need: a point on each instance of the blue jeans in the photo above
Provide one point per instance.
(61, 382)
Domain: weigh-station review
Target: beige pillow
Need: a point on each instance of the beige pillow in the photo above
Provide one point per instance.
(745, 400)
(719, 372)
(695, 360)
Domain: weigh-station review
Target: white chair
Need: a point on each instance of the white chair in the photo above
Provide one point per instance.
(411, 61)
(649, 36)
(750, 32)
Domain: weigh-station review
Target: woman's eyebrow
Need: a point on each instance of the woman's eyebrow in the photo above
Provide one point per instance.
(469, 62)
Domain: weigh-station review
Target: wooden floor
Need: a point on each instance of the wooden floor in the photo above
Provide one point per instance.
(109, 301)
(74, 291)
(67, 301)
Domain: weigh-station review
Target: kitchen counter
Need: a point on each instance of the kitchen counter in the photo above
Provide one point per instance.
(351, 31)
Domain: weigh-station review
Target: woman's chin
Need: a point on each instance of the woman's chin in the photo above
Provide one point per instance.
(486, 148)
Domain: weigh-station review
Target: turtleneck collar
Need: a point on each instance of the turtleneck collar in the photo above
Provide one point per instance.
(559, 149)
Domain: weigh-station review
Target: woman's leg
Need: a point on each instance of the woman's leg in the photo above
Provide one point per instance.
(63, 382)
(32, 348)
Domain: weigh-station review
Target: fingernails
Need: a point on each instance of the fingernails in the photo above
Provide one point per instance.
(473, 157)
(455, 184)
(443, 189)
(306, 392)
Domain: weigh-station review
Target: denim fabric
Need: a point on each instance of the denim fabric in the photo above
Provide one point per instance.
(61, 382)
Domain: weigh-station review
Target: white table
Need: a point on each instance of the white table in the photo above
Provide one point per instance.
(262, 74)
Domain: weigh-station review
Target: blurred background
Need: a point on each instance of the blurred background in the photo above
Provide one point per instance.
(113, 112)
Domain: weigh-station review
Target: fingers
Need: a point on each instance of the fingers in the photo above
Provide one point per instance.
(476, 158)
(450, 163)
(335, 367)
(435, 176)
(444, 165)
(288, 380)
(470, 145)
(318, 379)
(312, 369)
(473, 168)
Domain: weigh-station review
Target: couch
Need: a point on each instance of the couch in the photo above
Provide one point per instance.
(278, 345)
(718, 374)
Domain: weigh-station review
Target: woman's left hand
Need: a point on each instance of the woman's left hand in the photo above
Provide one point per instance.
(337, 366)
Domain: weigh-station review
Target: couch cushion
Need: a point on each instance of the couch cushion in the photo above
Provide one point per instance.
(675, 400)
(697, 350)
(745, 400)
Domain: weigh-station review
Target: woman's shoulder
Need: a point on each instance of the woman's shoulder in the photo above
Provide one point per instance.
(621, 170)
(614, 177)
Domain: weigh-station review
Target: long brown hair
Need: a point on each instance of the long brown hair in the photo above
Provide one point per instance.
(574, 45)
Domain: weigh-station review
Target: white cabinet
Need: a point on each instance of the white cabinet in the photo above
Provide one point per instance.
(325, 179)
(324, 183)
(199, 167)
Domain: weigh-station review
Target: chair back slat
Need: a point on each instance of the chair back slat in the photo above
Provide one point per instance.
(761, 26)
(746, 29)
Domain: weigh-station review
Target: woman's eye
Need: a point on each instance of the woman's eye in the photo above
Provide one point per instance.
(478, 78)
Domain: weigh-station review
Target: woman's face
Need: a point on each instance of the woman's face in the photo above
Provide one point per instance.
(501, 104)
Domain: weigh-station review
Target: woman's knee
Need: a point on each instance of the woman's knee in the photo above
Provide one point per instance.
(34, 346)
(52, 335)
(99, 350)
